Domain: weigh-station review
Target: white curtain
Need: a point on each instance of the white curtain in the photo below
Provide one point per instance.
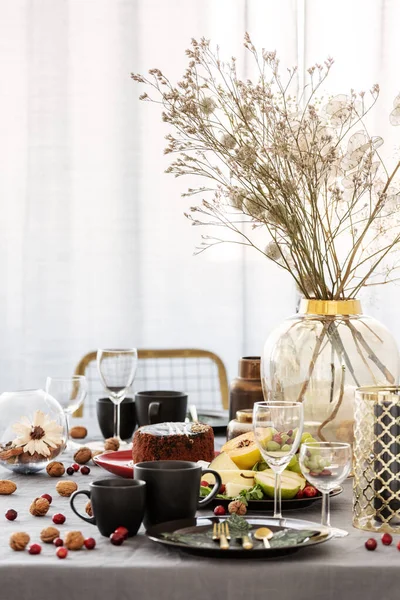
(95, 249)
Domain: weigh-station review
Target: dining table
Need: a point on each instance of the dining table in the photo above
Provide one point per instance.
(339, 569)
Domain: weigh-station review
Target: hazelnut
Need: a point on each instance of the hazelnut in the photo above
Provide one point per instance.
(19, 541)
(55, 469)
(83, 455)
(88, 509)
(66, 488)
(78, 432)
(74, 540)
(39, 507)
(111, 444)
(49, 534)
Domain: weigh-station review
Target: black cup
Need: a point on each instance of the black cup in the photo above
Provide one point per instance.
(160, 407)
(105, 417)
(172, 489)
(115, 503)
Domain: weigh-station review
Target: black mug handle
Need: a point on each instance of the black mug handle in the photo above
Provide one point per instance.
(214, 491)
(91, 520)
(154, 411)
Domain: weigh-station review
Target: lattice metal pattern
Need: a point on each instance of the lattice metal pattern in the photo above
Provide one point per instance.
(376, 500)
(198, 376)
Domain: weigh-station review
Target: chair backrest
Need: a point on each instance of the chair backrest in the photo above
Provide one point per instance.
(200, 373)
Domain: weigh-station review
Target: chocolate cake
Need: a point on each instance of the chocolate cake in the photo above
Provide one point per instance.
(173, 441)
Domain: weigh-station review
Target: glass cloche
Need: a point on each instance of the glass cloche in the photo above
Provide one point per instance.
(33, 430)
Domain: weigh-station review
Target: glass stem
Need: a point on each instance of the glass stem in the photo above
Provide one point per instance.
(116, 420)
(326, 514)
(67, 424)
(277, 496)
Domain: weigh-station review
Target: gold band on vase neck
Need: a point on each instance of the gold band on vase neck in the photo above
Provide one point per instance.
(330, 307)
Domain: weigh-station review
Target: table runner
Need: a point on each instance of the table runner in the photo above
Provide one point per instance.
(341, 569)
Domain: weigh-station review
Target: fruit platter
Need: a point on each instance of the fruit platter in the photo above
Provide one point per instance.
(246, 477)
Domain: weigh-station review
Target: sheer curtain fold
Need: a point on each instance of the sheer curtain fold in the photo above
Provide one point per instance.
(95, 248)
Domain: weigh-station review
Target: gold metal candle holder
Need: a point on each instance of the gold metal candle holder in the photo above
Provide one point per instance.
(376, 488)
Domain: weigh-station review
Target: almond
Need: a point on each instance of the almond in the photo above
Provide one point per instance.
(66, 488)
(7, 487)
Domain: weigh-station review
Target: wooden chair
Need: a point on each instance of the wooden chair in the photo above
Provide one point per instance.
(200, 373)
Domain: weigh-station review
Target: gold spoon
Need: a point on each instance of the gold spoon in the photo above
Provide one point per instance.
(264, 534)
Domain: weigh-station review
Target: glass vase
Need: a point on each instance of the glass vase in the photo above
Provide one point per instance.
(33, 430)
(320, 356)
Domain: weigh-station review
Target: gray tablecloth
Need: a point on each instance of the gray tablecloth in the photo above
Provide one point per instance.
(339, 570)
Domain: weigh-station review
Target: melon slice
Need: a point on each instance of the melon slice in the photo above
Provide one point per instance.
(243, 449)
(232, 476)
(222, 462)
(233, 489)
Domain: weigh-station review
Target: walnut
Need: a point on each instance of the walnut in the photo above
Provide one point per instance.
(74, 540)
(49, 534)
(19, 541)
(89, 509)
(55, 469)
(111, 444)
(66, 488)
(83, 455)
(78, 432)
(7, 487)
(39, 507)
(237, 507)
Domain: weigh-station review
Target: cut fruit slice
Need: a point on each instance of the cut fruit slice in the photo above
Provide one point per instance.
(222, 462)
(237, 476)
(233, 489)
(266, 480)
(243, 449)
(289, 476)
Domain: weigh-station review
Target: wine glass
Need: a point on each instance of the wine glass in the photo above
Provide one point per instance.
(117, 369)
(325, 465)
(278, 427)
(70, 392)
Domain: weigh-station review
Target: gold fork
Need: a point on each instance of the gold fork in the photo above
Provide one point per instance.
(221, 533)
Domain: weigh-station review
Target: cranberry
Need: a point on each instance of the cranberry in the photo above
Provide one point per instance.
(277, 438)
(48, 498)
(70, 471)
(11, 514)
(122, 531)
(75, 467)
(290, 433)
(387, 539)
(116, 539)
(90, 543)
(58, 519)
(35, 549)
(222, 489)
(300, 494)
(85, 470)
(219, 510)
(289, 441)
(309, 491)
(62, 552)
(204, 483)
(398, 546)
(371, 544)
(58, 542)
(326, 472)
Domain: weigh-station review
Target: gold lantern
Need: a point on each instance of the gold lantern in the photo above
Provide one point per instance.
(376, 488)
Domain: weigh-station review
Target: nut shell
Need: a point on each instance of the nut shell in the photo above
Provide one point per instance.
(111, 444)
(55, 469)
(39, 507)
(66, 488)
(7, 487)
(237, 507)
(89, 509)
(49, 534)
(19, 541)
(83, 455)
(74, 540)
(78, 432)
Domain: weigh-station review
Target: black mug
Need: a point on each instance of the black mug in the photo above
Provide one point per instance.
(160, 407)
(172, 489)
(105, 417)
(115, 503)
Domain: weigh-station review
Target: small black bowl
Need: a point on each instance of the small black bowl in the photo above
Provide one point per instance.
(105, 417)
